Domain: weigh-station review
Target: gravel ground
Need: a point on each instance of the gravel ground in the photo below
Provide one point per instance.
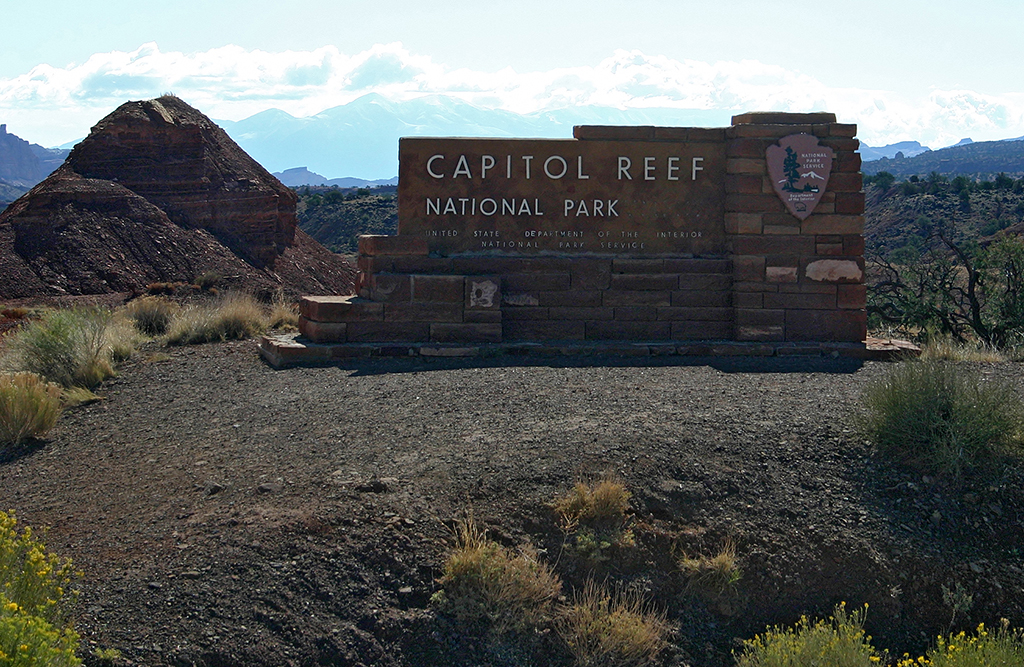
(225, 513)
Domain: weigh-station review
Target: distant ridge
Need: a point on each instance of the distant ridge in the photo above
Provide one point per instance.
(980, 159)
(298, 176)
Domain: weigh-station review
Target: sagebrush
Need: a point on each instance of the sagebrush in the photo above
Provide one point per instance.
(231, 316)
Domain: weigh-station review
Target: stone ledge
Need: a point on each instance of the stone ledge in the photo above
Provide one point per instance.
(282, 351)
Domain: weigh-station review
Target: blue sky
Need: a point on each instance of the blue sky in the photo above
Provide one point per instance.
(935, 71)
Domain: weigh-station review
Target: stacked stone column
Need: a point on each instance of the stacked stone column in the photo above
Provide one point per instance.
(795, 280)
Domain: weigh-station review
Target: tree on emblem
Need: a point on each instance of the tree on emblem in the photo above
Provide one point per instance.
(789, 168)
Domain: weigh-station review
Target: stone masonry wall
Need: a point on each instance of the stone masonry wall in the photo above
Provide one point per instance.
(782, 279)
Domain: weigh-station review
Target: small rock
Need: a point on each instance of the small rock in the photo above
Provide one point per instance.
(213, 488)
(936, 518)
(977, 568)
(270, 487)
(373, 486)
(191, 574)
(153, 585)
(405, 590)
(971, 498)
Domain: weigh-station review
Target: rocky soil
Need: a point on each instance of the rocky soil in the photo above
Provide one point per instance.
(225, 513)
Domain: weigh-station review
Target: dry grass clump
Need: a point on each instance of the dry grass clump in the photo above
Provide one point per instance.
(29, 407)
(943, 417)
(74, 348)
(718, 573)
(1005, 648)
(152, 314)
(839, 641)
(284, 314)
(485, 582)
(946, 349)
(596, 518)
(611, 630)
(231, 316)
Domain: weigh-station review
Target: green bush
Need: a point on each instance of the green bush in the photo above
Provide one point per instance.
(235, 315)
(74, 348)
(34, 601)
(29, 407)
(942, 417)
(839, 641)
(596, 518)
(981, 649)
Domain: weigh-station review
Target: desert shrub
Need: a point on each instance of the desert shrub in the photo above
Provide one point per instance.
(611, 630)
(151, 314)
(942, 417)
(596, 518)
(29, 407)
(208, 280)
(719, 573)
(485, 582)
(944, 348)
(234, 315)
(1005, 648)
(839, 641)
(70, 347)
(34, 601)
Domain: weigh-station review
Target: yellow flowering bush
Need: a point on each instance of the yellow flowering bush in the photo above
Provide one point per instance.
(34, 598)
(838, 641)
(1005, 648)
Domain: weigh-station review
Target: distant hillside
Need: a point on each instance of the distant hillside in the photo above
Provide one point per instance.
(22, 165)
(297, 176)
(908, 148)
(335, 218)
(903, 215)
(982, 160)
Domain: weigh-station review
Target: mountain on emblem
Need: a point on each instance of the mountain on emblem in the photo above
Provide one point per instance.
(796, 164)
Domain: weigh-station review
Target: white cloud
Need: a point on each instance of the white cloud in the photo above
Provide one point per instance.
(52, 105)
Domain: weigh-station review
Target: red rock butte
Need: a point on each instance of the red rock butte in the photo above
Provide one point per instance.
(158, 192)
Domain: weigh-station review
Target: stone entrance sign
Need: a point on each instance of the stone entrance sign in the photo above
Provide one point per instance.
(659, 240)
(571, 197)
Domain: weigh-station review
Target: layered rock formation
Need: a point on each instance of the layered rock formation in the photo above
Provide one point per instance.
(158, 193)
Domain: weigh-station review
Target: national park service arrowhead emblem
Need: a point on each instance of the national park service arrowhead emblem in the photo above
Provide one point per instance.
(799, 168)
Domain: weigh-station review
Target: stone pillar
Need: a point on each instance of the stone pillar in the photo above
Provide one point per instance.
(795, 280)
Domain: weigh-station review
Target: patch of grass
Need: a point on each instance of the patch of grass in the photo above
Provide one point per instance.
(283, 314)
(74, 348)
(151, 314)
(34, 601)
(208, 280)
(1005, 648)
(483, 582)
(839, 641)
(942, 417)
(79, 396)
(596, 518)
(718, 573)
(611, 630)
(946, 349)
(231, 316)
(29, 407)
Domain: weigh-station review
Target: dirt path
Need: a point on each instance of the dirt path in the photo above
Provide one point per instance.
(225, 513)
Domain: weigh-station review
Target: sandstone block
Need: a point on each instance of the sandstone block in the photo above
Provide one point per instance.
(574, 313)
(751, 147)
(634, 133)
(829, 249)
(847, 162)
(775, 244)
(783, 118)
(749, 268)
(845, 182)
(521, 313)
(702, 330)
(800, 301)
(617, 330)
(760, 333)
(679, 313)
(807, 288)
(536, 282)
(841, 144)
(837, 325)
(713, 282)
(744, 165)
(388, 332)
(852, 296)
(630, 298)
(584, 298)
(850, 203)
(636, 313)
(743, 184)
(449, 289)
(780, 274)
(389, 287)
(743, 223)
(792, 229)
(748, 300)
(753, 203)
(836, 270)
(590, 274)
(322, 332)
(745, 317)
(482, 316)
(637, 266)
(544, 330)
(416, 264)
(843, 129)
(853, 245)
(770, 130)
(372, 244)
(465, 333)
(702, 298)
(340, 309)
(697, 265)
(833, 224)
(645, 281)
(423, 312)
